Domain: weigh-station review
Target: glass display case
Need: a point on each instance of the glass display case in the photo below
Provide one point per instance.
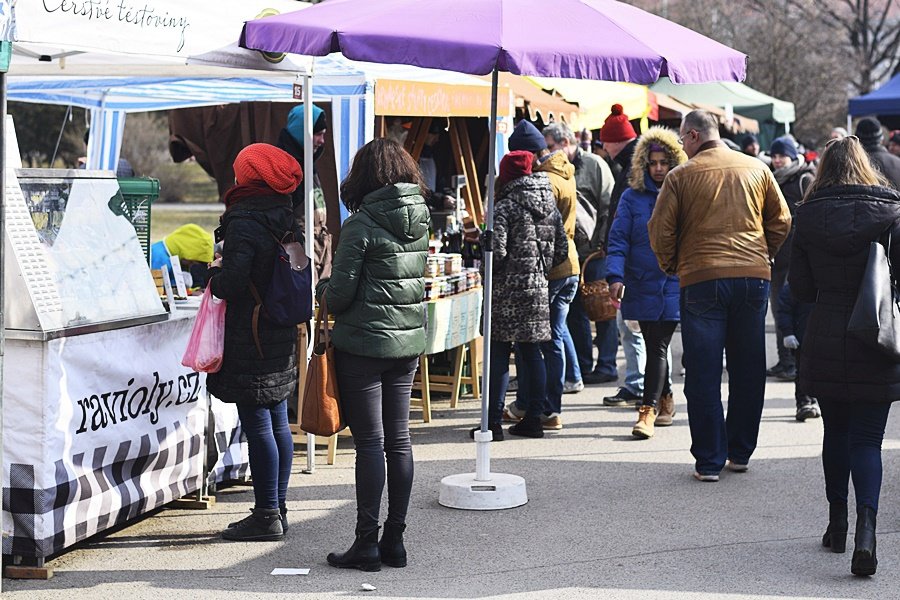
(73, 263)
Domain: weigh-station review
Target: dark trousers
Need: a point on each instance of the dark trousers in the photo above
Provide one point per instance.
(657, 337)
(607, 340)
(779, 276)
(271, 450)
(852, 446)
(724, 315)
(531, 374)
(375, 401)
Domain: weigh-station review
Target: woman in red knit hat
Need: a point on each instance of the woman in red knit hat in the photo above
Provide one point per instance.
(260, 378)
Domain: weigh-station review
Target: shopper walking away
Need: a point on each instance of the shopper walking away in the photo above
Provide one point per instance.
(650, 296)
(871, 136)
(848, 207)
(375, 294)
(259, 365)
(791, 315)
(529, 239)
(719, 221)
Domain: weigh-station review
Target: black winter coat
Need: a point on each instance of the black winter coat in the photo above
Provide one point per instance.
(831, 246)
(623, 160)
(887, 163)
(249, 255)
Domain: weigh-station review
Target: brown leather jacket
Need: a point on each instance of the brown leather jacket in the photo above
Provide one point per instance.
(562, 177)
(719, 215)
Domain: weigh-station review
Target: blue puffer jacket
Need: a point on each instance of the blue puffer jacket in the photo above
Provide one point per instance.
(650, 294)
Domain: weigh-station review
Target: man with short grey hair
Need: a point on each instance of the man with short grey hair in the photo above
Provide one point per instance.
(594, 182)
(719, 220)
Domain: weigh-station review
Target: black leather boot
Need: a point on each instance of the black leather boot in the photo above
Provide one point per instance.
(264, 525)
(393, 553)
(864, 561)
(836, 535)
(363, 554)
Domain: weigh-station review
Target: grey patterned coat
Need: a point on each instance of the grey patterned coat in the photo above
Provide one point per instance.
(529, 240)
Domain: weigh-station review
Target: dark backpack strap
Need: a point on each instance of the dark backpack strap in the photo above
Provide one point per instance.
(255, 320)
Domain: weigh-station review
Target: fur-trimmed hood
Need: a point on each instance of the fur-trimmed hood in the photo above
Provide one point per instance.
(661, 136)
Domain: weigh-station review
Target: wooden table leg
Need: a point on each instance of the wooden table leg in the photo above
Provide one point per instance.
(457, 375)
(475, 366)
(426, 389)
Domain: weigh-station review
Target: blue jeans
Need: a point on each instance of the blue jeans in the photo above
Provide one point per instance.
(854, 431)
(724, 315)
(532, 376)
(271, 450)
(556, 351)
(607, 340)
(635, 358)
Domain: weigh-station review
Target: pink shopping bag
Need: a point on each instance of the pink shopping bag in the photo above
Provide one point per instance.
(207, 342)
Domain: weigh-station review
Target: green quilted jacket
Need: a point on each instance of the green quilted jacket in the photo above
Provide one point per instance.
(377, 280)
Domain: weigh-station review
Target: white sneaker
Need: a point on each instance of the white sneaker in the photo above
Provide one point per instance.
(708, 477)
(573, 387)
(737, 467)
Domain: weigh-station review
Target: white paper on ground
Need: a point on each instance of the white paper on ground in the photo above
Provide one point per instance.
(289, 572)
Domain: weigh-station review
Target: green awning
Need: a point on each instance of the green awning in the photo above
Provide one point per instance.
(742, 98)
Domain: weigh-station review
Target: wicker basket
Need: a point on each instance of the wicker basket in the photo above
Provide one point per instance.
(595, 298)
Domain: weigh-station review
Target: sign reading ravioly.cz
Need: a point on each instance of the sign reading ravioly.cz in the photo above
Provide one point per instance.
(152, 27)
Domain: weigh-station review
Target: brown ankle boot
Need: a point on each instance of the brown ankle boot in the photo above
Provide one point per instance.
(666, 410)
(643, 429)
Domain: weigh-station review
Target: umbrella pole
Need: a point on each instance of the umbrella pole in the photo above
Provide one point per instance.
(484, 490)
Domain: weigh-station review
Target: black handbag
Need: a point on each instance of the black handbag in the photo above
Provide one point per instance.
(875, 319)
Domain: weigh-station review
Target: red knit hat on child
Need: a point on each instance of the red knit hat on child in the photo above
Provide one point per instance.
(514, 165)
(270, 165)
(616, 128)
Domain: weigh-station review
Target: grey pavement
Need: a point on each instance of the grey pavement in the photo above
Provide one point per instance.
(608, 517)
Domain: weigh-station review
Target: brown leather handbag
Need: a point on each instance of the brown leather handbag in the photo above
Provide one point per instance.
(595, 298)
(321, 412)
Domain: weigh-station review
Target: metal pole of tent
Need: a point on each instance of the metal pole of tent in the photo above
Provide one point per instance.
(483, 457)
(309, 233)
(2, 266)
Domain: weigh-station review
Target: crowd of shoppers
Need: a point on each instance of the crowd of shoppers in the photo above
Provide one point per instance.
(690, 232)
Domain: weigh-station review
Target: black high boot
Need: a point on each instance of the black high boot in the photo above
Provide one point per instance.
(363, 554)
(264, 525)
(864, 561)
(836, 535)
(393, 553)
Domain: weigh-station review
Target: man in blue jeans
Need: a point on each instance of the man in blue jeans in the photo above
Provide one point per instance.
(718, 223)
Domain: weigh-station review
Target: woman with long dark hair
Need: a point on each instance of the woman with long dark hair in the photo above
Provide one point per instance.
(847, 207)
(375, 294)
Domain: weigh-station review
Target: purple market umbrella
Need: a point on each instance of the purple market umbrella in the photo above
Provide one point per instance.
(616, 42)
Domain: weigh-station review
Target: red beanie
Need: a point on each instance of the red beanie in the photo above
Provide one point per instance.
(616, 128)
(514, 165)
(270, 165)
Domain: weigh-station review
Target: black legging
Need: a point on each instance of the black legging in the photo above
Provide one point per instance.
(375, 402)
(657, 336)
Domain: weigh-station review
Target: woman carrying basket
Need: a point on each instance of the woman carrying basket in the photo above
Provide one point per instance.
(650, 296)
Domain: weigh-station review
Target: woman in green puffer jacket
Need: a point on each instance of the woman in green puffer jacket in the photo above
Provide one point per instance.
(375, 294)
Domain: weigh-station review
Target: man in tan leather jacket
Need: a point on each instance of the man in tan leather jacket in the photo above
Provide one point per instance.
(718, 223)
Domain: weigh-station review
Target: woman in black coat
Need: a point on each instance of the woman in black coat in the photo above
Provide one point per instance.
(259, 370)
(847, 207)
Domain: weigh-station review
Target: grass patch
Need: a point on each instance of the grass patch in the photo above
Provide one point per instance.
(164, 222)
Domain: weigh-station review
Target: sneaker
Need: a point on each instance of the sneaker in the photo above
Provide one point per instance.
(511, 414)
(573, 387)
(622, 397)
(735, 467)
(528, 427)
(707, 477)
(666, 410)
(593, 378)
(496, 429)
(643, 429)
(551, 422)
(513, 385)
(787, 374)
(264, 525)
(807, 408)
